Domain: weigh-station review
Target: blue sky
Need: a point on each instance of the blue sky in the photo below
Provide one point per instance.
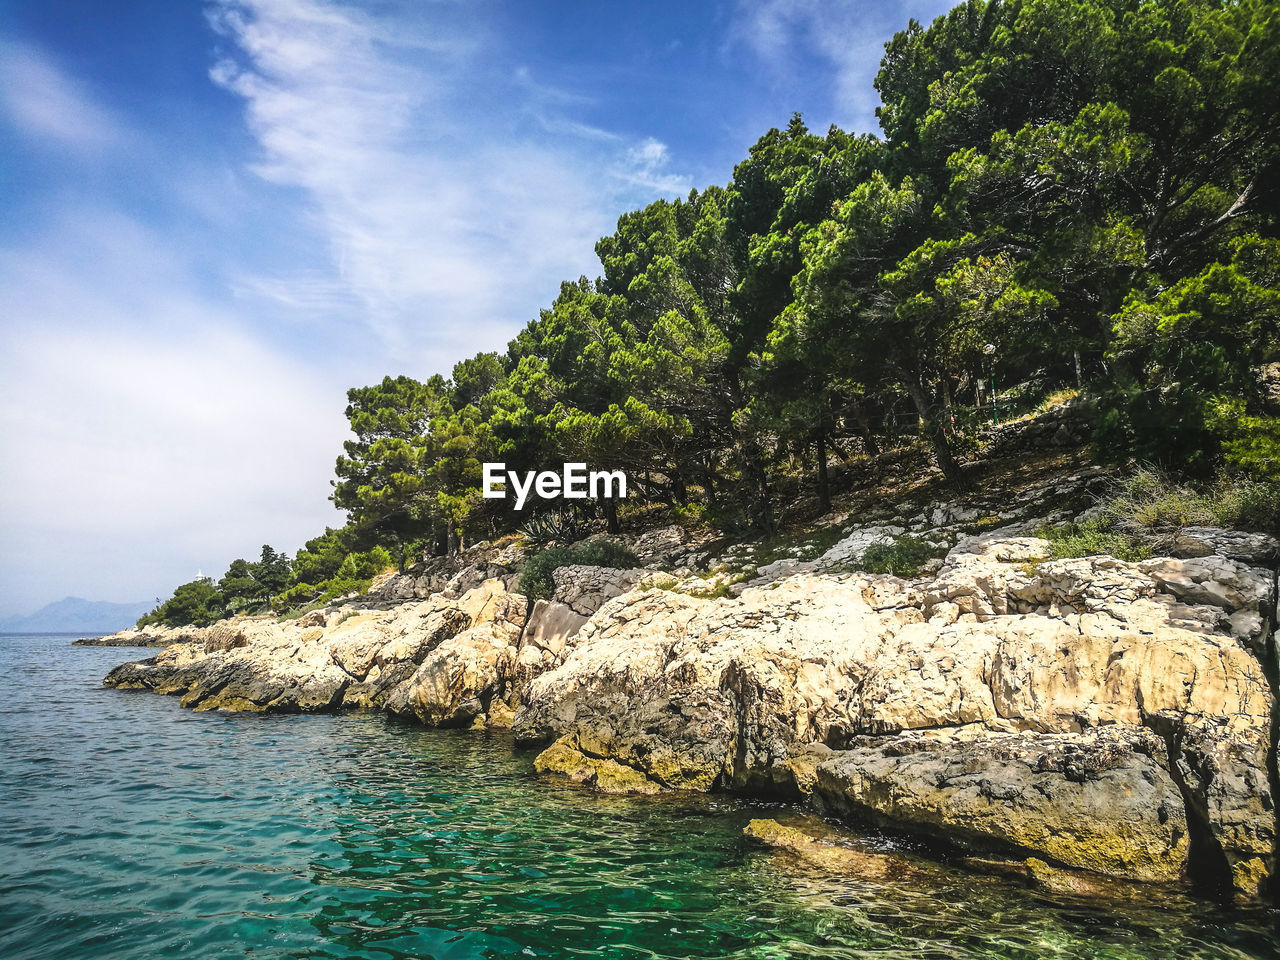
(216, 217)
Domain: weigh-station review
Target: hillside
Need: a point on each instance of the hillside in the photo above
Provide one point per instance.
(76, 615)
(1021, 673)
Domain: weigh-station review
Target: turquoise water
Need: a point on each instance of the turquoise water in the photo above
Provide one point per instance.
(131, 828)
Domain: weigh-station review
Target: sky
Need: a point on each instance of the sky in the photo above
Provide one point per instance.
(216, 217)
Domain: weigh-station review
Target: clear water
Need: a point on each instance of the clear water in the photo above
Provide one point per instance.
(131, 828)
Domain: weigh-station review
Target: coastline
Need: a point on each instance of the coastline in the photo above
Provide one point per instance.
(1103, 719)
(146, 637)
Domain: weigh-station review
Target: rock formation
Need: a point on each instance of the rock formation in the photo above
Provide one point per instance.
(1109, 716)
(1091, 714)
(447, 662)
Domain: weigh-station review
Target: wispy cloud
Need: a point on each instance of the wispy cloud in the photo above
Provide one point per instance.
(645, 165)
(43, 102)
(180, 327)
(146, 433)
(449, 217)
(849, 35)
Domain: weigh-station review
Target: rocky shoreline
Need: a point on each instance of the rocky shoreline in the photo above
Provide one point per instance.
(1093, 715)
(144, 637)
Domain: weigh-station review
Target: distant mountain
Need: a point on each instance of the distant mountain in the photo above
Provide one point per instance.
(75, 615)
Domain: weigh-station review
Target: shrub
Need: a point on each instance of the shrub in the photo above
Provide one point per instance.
(1056, 399)
(1094, 538)
(1254, 447)
(319, 594)
(366, 565)
(544, 529)
(1176, 427)
(196, 603)
(1150, 500)
(537, 580)
(689, 515)
(902, 558)
(352, 575)
(1136, 516)
(1246, 504)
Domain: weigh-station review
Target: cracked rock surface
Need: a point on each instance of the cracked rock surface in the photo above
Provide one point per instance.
(1007, 703)
(1093, 714)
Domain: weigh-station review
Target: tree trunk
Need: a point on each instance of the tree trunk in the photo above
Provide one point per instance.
(864, 430)
(937, 437)
(750, 456)
(824, 486)
(764, 507)
(610, 508)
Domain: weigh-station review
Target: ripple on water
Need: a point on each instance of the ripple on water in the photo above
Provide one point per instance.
(130, 828)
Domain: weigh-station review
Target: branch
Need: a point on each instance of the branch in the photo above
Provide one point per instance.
(1238, 208)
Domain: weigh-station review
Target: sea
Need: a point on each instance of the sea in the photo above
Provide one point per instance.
(133, 828)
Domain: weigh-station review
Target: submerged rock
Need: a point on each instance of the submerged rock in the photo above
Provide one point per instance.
(607, 776)
(832, 858)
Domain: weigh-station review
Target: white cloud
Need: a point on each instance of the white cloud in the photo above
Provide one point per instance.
(449, 218)
(145, 434)
(848, 34)
(646, 167)
(45, 104)
(173, 370)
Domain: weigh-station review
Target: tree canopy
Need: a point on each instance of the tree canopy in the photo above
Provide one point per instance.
(1072, 192)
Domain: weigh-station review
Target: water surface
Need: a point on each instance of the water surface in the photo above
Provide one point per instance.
(131, 828)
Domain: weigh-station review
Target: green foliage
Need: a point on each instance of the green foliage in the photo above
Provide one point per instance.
(905, 557)
(542, 530)
(382, 479)
(1093, 538)
(195, 604)
(1189, 352)
(537, 581)
(272, 571)
(317, 595)
(325, 569)
(1134, 519)
(1067, 192)
(691, 516)
(1173, 427)
(1247, 504)
(1151, 501)
(1252, 446)
(245, 588)
(320, 557)
(352, 575)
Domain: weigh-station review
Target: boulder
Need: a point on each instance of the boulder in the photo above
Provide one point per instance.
(455, 576)
(854, 545)
(828, 854)
(563, 758)
(1088, 713)
(1100, 802)
(1254, 549)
